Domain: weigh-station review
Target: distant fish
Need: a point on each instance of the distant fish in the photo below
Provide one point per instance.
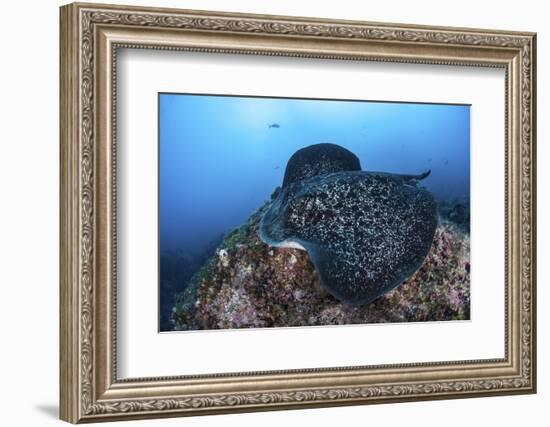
(274, 126)
(429, 160)
(446, 162)
(276, 167)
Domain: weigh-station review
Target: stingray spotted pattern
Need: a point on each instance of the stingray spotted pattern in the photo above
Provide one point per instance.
(365, 232)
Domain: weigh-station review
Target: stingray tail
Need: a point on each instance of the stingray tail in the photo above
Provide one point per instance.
(404, 178)
(415, 178)
(421, 176)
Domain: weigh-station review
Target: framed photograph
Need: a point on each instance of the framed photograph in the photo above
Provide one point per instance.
(267, 212)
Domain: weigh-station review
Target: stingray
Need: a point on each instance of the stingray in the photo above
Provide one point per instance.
(365, 232)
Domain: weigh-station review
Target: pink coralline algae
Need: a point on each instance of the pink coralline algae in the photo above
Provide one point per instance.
(248, 284)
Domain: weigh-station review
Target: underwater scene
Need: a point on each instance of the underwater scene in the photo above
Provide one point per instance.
(279, 212)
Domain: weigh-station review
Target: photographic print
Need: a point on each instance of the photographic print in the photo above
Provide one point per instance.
(213, 197)
(282, 212)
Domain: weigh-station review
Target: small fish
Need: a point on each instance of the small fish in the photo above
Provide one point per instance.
(274, 126)
(446, 162)
(276, 167)
(429, 160)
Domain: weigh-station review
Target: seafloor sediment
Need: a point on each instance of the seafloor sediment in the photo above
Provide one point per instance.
(248, 284)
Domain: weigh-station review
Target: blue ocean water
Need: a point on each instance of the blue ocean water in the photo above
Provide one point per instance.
(221, 157)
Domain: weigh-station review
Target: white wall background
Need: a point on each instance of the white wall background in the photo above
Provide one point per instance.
(29, 170)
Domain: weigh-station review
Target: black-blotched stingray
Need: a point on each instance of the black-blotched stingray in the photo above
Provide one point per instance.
(365, 232)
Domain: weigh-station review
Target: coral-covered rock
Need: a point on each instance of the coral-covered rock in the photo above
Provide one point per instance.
(249, 285)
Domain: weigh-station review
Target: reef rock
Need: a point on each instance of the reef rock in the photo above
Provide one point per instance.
(249, 284)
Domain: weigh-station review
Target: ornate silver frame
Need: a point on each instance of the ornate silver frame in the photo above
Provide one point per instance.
(90, 36)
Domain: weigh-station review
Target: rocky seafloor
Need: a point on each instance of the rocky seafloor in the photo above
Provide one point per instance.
(248, 284)
(176, 269)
